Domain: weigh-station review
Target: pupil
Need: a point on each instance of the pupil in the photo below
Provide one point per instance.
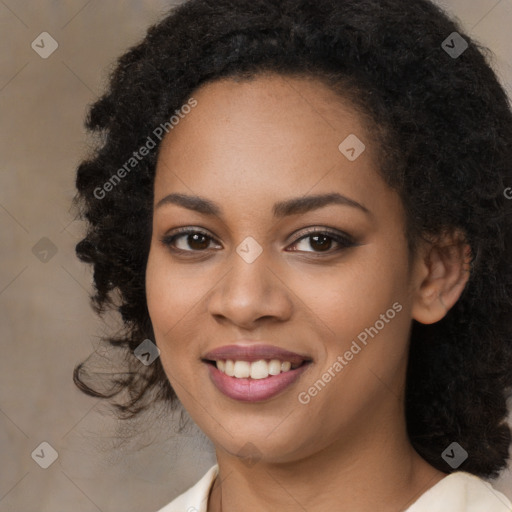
(321, 246)
(195, 244)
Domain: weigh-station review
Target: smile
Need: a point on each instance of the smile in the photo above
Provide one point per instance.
(256, 381)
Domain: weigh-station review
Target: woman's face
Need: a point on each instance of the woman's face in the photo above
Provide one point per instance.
(251, 149)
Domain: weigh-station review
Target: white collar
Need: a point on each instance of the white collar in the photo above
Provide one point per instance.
(457, 492)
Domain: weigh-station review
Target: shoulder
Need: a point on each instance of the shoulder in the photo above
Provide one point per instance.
(461, 492)
(194, 499)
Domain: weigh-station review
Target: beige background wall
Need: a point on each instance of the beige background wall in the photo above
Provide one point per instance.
(47, 325)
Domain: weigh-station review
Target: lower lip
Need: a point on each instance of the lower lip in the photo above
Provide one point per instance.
(254, 390)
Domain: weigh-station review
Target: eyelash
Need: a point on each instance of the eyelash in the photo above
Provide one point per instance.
(344, 241)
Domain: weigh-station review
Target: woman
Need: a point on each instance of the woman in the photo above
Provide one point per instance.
(303, 206)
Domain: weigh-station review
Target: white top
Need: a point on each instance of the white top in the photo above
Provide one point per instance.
(457, 492)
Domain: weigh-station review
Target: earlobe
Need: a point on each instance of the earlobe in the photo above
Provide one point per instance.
(442, 273)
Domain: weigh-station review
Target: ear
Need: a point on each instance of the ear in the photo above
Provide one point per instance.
(441, 271)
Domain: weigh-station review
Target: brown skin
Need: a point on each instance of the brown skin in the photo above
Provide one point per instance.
(245, 146)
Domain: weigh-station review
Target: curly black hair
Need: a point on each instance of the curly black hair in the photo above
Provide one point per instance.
(444, 127)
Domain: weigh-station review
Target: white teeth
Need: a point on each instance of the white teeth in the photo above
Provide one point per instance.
(274, 367)
(230, 368)
(242, 369)
(260, 369)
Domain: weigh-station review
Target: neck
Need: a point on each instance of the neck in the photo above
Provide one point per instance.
(369, 469)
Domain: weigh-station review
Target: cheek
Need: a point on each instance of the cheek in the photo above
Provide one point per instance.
(166, 307)
(352, 295)
(168, 303)
(175, 298)
(171, 291)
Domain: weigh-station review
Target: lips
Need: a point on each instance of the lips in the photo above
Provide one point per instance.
(254, 388)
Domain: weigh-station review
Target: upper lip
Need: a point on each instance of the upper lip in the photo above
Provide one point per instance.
(252, 353)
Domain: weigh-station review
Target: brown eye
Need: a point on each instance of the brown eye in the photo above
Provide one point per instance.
(322, 241)
(188, 240)
(197, 241)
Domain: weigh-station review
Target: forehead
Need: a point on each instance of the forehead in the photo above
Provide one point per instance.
(269, 104)
(268, 135)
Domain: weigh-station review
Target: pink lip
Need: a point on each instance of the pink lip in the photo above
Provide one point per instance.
(253, 352)
(254, 390)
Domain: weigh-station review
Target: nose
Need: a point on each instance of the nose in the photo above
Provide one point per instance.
(249, 293)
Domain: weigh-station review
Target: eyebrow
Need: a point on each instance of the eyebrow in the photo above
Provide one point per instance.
(292, 206)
